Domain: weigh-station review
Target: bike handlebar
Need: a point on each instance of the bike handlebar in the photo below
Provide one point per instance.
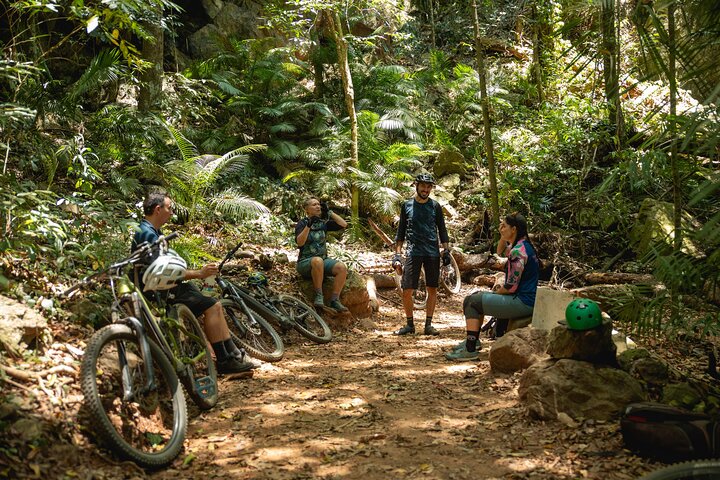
(136, 255)
(229, 255)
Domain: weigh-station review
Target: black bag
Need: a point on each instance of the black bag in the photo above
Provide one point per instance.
(668, 433)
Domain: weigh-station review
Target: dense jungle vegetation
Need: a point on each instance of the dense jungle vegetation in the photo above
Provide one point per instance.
(573, 112)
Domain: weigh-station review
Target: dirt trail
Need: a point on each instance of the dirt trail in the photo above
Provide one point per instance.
(373, 406)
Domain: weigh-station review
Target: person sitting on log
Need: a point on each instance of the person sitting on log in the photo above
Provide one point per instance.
(514, 298)
(313, 262)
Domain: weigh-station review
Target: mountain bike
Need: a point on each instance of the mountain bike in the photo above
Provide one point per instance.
(132, 369)
(247, 327)
(692, 470)
(286, 311)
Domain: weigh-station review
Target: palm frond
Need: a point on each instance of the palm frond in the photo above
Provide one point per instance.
(105, 67)
(235, 205)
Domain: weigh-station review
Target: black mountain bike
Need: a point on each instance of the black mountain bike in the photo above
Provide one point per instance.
(130, 370)
(286, 311)
(247, 327)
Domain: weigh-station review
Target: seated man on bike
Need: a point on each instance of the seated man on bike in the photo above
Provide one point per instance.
(158, 209)
(313, 262)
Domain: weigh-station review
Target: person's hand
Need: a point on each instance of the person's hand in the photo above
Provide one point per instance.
(324, 212)
(209, 270)
(312, 221)
(397, 263)
(446, 258)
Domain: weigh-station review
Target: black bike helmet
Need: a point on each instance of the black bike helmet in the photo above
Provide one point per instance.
(425, 178)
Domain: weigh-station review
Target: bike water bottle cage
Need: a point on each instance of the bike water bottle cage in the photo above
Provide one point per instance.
(257, 279)
(165, 272)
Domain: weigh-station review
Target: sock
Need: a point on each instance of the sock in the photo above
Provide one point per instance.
(334, 297)
(471, 341)
(428, 321)
(231, 348)
(410, 322)
(221, 354)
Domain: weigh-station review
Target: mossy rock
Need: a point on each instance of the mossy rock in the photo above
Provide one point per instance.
(654, 228)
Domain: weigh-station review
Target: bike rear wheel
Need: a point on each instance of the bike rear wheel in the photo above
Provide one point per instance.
(450, 280)
(694, 470)
(304, 318)
(191, 348)
(147, 426)
(419, 295)
(255, 334)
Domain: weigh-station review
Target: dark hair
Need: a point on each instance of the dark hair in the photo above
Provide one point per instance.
(152, 200)
(518, 221)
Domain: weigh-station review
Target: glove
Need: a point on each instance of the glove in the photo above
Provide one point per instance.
(312, 221)
(397, 260)
(324, 212)
(446, 258)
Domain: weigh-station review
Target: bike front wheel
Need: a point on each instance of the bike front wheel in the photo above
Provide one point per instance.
(450, 280)
(304, 318)
(192, 351)
(140, 420)
(254, 333)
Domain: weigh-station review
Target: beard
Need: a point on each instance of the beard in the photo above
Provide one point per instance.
(424, 196)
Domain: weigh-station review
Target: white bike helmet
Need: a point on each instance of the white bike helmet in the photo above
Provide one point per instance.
(165, 272)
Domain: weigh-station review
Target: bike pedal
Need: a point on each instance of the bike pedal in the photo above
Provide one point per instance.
(205, 387)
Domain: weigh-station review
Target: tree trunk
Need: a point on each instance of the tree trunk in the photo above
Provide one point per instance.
(432, 24)
(151, 79)
(611, 76)
(485, 104)
(677, 198)
(342, 52)
(537, 55)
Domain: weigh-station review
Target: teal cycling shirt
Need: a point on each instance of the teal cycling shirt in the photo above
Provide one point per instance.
(316, 243)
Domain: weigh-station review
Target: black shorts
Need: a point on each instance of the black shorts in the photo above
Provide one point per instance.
(189, 295)
(411, 272)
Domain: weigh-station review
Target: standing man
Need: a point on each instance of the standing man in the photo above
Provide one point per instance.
(158, 209)
(313, 262)
(421, 223)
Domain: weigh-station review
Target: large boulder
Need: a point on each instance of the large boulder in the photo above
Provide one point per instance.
(20, 325)
(448, 162)
(654, 228)
(639, 363)
(517, 350)
(579, 389)
(595, 345)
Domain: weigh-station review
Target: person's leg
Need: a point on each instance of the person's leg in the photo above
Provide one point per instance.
(409, 283)
(338, 270)
(230, 359)
(432, 278)
(317, 275)
(473, 311)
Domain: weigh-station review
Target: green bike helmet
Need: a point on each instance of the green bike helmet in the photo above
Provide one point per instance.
(582, 314)
(257, 279)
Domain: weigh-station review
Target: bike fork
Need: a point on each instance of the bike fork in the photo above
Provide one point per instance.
(137, 327)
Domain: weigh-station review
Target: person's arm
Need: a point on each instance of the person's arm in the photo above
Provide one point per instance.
(302, 230)
(502, 247)
(516, 265)
(401, 230)
(206, 271)
(337, 219)
(442, 229)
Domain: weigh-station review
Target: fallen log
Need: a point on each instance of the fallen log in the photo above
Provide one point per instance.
(616, 278)
(476, 261)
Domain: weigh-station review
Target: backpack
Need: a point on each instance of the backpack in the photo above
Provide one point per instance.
(668, 433)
